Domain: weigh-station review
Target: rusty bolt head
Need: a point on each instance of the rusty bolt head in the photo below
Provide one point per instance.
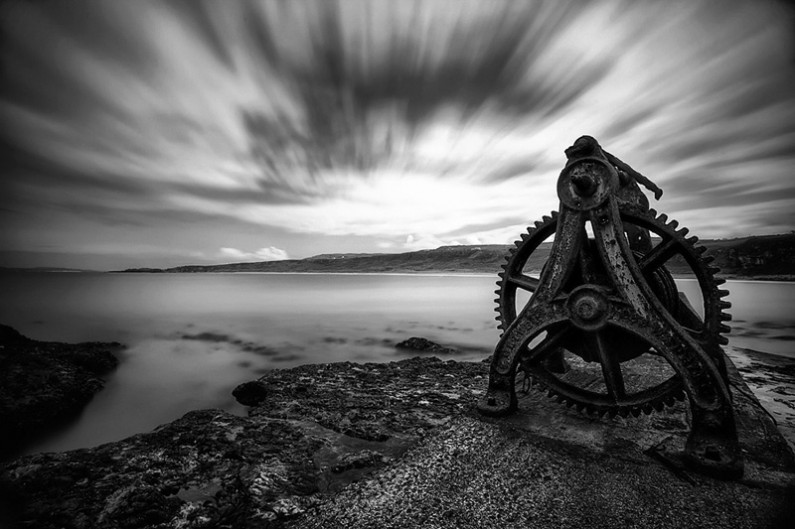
(588, 307)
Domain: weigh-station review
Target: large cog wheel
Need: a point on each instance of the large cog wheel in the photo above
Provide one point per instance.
(516, 285)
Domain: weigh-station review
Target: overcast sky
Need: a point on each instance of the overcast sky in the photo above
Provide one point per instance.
(176, 132)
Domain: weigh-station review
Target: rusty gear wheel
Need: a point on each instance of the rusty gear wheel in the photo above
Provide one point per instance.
(550, 376)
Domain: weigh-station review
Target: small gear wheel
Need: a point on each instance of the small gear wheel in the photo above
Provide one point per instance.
(573, 372)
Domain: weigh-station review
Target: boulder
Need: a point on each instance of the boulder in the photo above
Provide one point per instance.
(423, 345)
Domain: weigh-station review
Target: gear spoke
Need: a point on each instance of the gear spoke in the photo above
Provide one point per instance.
(547, 346)
(611, 369)
(658, 255)
(524, 282)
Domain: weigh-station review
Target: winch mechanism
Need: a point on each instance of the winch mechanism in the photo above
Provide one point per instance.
(605, 298)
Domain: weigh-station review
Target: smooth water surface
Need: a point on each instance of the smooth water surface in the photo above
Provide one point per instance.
(191, 338)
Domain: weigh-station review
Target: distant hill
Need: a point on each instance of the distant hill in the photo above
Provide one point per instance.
(325, 256)
(762, 257)
(485, 258)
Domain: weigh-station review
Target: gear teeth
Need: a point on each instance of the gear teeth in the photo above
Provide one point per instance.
(722, 293)
(725, 304)
(724, 328)
(725, 316)
(708, 259)
(719, 281)
(518, 243)
(723, 340)
(660, 225)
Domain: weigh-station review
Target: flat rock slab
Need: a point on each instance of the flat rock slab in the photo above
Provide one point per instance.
(480, 475)
(401, 445)
(550, 467)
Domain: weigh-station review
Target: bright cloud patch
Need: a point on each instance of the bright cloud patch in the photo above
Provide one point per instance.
(263, 254)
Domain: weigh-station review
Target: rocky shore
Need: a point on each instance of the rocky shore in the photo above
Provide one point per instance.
(46, 384)
(400, 445)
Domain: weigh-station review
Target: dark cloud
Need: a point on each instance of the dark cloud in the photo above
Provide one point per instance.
(483, 61)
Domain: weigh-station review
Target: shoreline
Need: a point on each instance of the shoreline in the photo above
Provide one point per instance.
(786, 278)
(399, 444)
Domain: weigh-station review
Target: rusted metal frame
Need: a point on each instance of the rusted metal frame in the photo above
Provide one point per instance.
(588, 188)
(712, 444)
(500, 398)
(545, 309)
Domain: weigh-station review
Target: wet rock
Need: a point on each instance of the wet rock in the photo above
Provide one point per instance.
(206, 469)
(424, 345)
(43, 385)
(250, 393)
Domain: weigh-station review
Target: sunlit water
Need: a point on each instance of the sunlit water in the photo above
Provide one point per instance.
(192, 338)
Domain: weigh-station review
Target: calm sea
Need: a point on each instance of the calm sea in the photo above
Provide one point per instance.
(191, 338)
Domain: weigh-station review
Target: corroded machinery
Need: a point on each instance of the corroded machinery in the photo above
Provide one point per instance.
(604, 327)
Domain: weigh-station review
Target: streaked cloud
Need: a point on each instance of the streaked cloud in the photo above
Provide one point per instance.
(356, 125)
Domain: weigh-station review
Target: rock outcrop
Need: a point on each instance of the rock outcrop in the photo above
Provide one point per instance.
(423, 345)
(45, 384)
